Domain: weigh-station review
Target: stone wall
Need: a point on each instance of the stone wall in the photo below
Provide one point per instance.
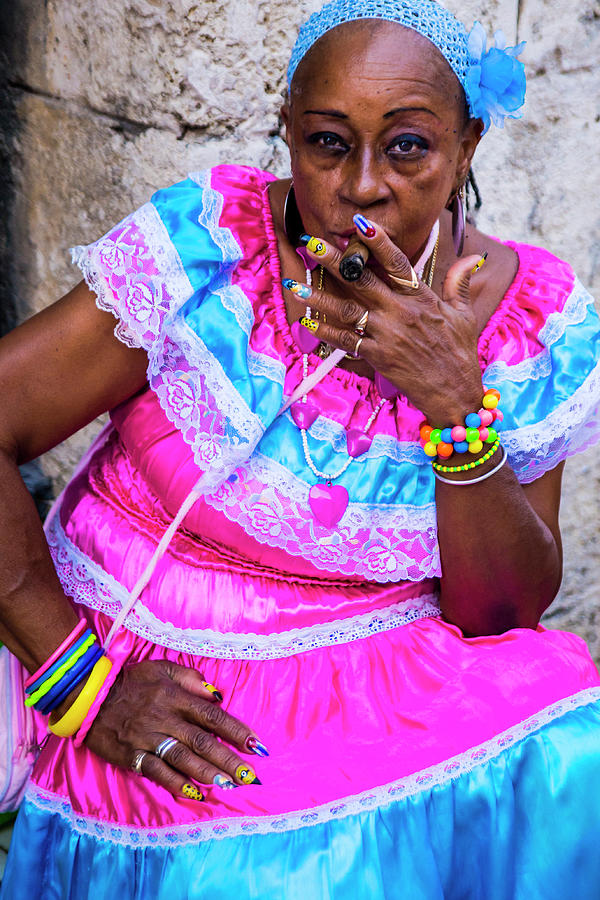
(104, 101)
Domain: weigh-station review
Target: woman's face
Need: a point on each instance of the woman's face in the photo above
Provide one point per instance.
(376, 125)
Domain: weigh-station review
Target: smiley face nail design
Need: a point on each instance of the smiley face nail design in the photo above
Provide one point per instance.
(247, 775)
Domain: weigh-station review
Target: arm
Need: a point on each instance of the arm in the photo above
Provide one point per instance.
(499, 543)
(59, 371)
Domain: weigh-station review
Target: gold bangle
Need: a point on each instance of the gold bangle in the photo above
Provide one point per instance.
(76, 713)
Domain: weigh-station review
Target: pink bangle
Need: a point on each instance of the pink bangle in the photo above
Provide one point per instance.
(95, 707)
(70, 639)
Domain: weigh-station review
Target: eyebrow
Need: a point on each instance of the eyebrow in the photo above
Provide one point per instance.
(336, 114)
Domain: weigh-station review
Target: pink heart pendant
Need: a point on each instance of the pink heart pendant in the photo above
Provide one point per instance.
(328, 503)
(387, 390)
(358, 442)
(304, 414)
(303, 338)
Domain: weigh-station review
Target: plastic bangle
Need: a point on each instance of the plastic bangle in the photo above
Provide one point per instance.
(462, 483)
(57, 676)
(76, 713)
(95, 707)
(79, 671)
(70, 638)
(472, 465)
(64, 658)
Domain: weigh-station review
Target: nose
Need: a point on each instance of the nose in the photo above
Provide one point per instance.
(364, 184)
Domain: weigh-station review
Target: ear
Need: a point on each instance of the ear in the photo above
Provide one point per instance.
(471, 136)
(285, 118)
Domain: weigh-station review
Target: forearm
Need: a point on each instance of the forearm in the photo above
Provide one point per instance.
(35, 615)
(501, 562)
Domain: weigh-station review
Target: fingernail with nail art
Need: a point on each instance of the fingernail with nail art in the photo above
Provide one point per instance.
(191, 792)
(479, 263)
(364, 226)
(255, 746)
(213, 690)
(311, 324)
(247, 775)
(301, 290)
(319, 248)
(223, 782)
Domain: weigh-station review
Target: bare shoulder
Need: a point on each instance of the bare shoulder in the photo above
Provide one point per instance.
(491, 283)
(61, 369)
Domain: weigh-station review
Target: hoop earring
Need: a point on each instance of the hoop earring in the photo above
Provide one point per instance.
(292, 223)
(457, 207)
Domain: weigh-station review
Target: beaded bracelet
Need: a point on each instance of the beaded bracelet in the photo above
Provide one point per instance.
(472, 465)
(464, 482)
(467, 438)
(76, 713)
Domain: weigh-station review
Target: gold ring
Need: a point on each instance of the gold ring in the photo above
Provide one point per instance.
(357, 348)
(404, 282)
(136, 765)
(361, 325)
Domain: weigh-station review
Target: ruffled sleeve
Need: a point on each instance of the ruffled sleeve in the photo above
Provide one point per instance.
(166, 273)
(541, 349)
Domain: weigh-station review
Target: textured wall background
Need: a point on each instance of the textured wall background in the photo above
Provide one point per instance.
(105, 100)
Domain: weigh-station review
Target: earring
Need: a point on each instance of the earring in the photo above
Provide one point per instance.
(292, 223)
(457, 207)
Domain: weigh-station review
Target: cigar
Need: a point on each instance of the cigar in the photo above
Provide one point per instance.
(354, 260)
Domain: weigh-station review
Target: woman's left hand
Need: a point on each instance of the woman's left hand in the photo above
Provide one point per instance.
(423, 344)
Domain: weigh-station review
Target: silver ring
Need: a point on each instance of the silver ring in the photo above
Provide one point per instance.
(164, 747)
(357, 348)
(361, 325)
(136, 765)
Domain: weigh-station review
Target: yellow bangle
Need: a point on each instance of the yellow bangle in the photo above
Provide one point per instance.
(76, 713)
(55, 678)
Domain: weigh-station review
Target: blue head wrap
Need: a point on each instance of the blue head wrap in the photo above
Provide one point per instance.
(493, 80)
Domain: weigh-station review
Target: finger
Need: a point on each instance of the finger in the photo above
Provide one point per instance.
(344, 339)
(201, 757)
(401, 276)
(194, 682)
(211, 717)
(456, 290)
(345, 311)
(159, 772)
(368, 285)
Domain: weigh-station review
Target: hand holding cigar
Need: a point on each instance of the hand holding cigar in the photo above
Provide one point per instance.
(354, 260)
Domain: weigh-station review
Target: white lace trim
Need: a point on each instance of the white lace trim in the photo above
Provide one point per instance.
(90, 585)
(331, 432)
(574, 312)
(361, 804)
(212, 207)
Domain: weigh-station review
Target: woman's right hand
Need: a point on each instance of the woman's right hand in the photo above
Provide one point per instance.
(157, 699)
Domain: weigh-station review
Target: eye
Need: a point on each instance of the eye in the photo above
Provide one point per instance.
(328, 140)
(408, 146)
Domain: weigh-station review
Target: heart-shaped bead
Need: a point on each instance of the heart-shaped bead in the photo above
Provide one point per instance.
(304, 414)
(386, 389)
(306, 341)
(358, 442)
(328, 503)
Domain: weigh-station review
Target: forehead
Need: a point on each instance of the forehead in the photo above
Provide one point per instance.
(369, 59)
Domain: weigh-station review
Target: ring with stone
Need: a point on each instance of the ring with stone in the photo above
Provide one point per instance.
(136, 765)
(361, 325)
(413, 283)
(164, 747)
(357, 348)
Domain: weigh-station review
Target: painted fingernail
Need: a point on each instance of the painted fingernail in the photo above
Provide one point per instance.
(191, 792)
(301, 290)
(311, 324)
(213, 690)
(479, 263)
(256, 746)
(364, 226)
(223, 782)
(314, 245)
(247, 775)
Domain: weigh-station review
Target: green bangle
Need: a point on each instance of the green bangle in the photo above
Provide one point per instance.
(472, 465)
(55, 678)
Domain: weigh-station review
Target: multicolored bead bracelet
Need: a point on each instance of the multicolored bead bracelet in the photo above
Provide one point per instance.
(472, 465)
(468, 438)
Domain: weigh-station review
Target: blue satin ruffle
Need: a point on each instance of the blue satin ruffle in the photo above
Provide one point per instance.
(523, 826)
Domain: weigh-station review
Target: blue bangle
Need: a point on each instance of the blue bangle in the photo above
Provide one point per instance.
(59, 662)
(64, 687)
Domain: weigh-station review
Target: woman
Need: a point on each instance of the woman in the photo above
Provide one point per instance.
(331, 596)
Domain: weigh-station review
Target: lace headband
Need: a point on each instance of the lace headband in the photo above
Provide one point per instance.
(493, 80)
